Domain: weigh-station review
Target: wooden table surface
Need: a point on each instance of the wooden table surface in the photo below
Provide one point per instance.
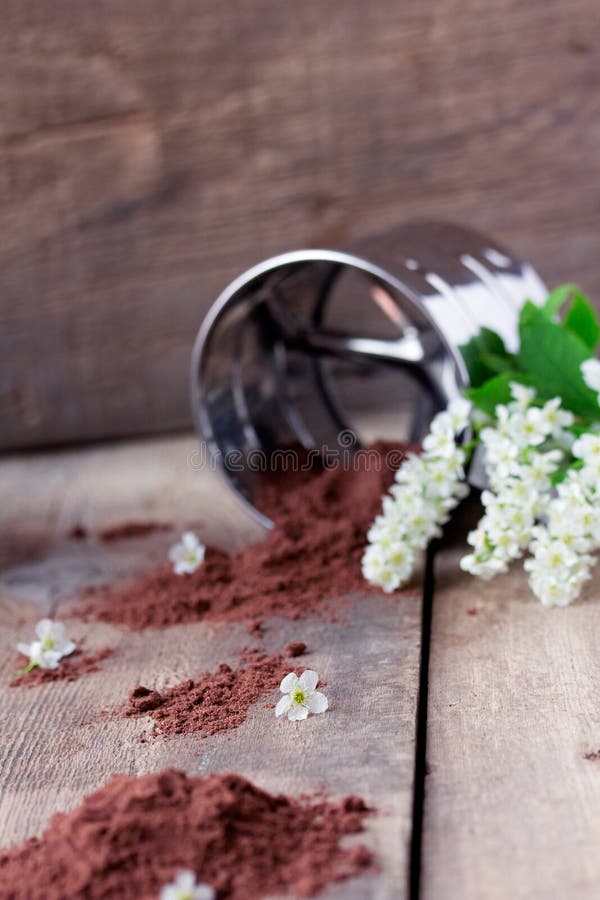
(511, 767)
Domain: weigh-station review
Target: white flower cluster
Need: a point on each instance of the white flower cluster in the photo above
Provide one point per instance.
(427, 487)
(562, 547)
(522, 452)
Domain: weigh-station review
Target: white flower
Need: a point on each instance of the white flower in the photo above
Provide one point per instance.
(553, 591)
(590, 369)
(529, 429)
(459, 413)
(188, 555)
(525, 425)
(185, 887)
(522, 395)
(554, 418)
(389, 562)
(587, 447)
(501, 454)
(300, 697)
(484, 565)
(439, 443)
(541, 465)
(454, 419)
(49, 648)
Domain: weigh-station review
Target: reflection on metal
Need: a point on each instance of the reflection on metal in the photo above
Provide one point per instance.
(272, 349)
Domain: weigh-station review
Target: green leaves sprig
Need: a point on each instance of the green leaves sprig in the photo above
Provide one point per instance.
(551, 350)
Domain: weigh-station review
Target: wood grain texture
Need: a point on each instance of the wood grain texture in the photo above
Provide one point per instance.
(58, 742)
(513, 741)
(150, 151)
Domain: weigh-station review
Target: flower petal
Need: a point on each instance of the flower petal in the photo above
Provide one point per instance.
(66, 648)
(59, 632)
(189, 540)
(176, 553)
(186, 880)
(49, 659)
(317, 702)
(204, 892)
(309, 680)
(36, 652)
(43, 628)
(284, 705)
(25, 649)
(297, 712)
(169, 892)
(590, 369)
(288, 683)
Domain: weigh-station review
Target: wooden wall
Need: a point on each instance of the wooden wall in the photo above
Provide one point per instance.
(150, 150)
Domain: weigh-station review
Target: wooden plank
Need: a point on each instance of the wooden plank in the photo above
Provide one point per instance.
(150, 151)
(60, 741)
(513, 741)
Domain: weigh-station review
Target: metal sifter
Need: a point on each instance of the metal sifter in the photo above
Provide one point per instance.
(316, 348)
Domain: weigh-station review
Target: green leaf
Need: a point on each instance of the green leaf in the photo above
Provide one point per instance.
(499, 364)
(581, 427)
(582, 320)
(559, 476)
(552, 356)
(557, 298)
(529, 313)
(471, 354)
(487, 396)
(492, 341)
(485, 344)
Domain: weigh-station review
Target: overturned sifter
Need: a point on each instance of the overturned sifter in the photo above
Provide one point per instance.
(321, 348)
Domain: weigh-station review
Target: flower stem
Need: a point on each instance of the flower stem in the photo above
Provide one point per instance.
(28, 668)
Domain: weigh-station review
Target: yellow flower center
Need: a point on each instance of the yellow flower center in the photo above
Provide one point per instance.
(48, 643)
(299, 696)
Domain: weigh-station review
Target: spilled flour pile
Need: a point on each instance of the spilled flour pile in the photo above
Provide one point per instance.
(134, 835)
(313, 553)
(217, 701)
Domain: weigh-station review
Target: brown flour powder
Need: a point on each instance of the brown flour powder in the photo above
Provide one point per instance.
(217, 702)
(311, 555)
(134, 835)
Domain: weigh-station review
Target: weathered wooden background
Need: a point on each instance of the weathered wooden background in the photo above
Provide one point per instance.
(150, 150)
